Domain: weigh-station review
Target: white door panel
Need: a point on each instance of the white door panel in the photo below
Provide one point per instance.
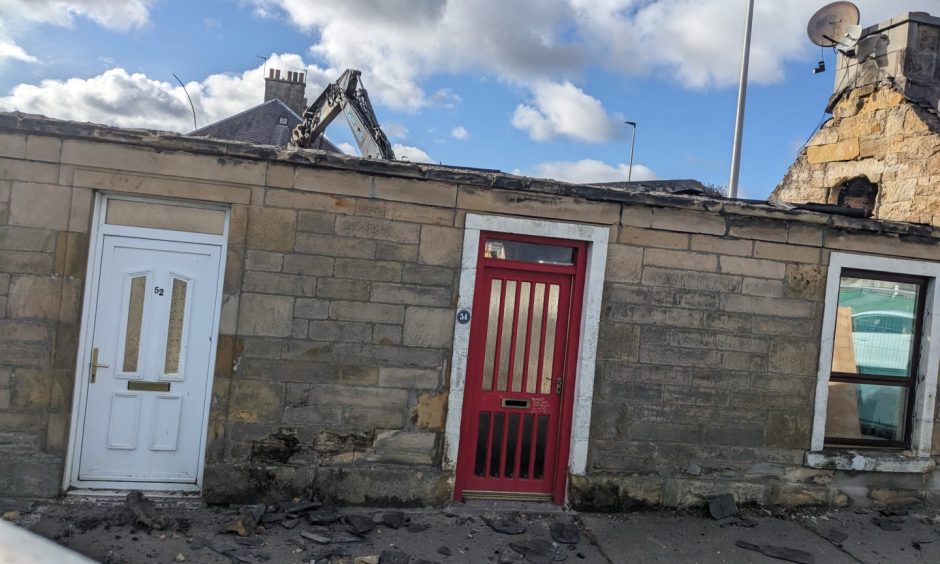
(144, 418)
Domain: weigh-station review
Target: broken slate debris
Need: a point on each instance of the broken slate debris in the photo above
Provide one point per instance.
(316, 537)
(836, 536)
(418, 527)
(539, 551)
(247, 520)
(324, 516)
(722, 506)
(892, 524)
(916, 543)
(145, 513)
(393, 557)
(345, 537)
(505, 525)
(565, 533)
(359, 524)
(779, 552)
(252, 542)
(298, 507)
(444, 550)
(233, 553)
(391, 519)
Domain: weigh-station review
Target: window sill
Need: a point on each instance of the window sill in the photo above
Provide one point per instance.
(870, 461)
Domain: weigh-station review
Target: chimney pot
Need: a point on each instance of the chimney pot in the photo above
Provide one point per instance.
(270, 73)
(289, 89)
(302, 76)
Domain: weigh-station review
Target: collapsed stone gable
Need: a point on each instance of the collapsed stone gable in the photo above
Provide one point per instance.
(884, 130)
(876, 133)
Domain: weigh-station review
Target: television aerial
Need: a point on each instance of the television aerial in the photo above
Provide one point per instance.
(835, 25)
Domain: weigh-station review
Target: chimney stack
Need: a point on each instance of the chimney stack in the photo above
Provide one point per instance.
(290, 89)
(904, 50)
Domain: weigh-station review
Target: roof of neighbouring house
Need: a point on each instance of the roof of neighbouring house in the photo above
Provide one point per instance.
(269, 123)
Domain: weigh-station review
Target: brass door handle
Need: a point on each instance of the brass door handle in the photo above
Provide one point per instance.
(94, 364)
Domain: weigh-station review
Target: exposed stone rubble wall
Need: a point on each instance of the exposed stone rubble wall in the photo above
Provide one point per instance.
(338, 312)
(884, 125)
(878, 133)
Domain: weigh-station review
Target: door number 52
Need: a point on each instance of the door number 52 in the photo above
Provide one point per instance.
(158, 290)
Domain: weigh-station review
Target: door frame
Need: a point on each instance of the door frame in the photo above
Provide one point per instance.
(100, 229)
(597, 238)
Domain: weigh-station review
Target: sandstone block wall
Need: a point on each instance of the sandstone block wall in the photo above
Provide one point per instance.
(333, 360)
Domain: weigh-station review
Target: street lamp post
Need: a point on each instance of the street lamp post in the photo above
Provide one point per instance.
(742, 93)
(632, 147)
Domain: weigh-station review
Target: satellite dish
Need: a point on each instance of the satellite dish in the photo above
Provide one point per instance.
(830, 24)
(853, 34)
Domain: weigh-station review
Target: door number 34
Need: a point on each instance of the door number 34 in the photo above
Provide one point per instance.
(158, 290)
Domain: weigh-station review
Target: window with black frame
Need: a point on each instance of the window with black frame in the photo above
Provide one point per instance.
(874, 359)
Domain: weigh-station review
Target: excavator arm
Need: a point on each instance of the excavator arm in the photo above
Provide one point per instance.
(346, 95)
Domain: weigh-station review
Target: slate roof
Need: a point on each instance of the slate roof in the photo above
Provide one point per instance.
(261, 125)
(681, 186)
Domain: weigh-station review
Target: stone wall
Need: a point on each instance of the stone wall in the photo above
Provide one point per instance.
(333, 361)
(708, 360)
(878, 133)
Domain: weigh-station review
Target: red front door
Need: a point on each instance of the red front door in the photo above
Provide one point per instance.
(520, 369)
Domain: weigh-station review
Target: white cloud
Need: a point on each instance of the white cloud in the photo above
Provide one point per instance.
(589, 170)
(563, 109)
(112, 14)
(395, 130)
(445, 98)
(413, 154)
(460, 133)
(696, 43)
(397, 43)
(348, 148)
(10, 51)
(119, 98)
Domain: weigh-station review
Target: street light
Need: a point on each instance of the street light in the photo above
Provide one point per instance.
(632, 146)
(742, 93)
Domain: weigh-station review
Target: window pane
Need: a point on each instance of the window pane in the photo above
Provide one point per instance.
(489, 357)
(135, 319)
(538, 306)
(866, 411)
(529, 252)
(875, 327)
(522, 326)
(548, 359)
(505, 348)
(174, 332)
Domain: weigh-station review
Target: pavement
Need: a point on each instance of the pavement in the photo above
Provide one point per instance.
(474, 533)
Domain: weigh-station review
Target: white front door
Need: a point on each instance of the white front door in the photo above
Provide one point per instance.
(152, 341)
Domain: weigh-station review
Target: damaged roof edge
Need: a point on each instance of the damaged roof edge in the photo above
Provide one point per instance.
(167, 141)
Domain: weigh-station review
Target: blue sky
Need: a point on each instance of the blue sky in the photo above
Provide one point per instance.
(540, 87)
